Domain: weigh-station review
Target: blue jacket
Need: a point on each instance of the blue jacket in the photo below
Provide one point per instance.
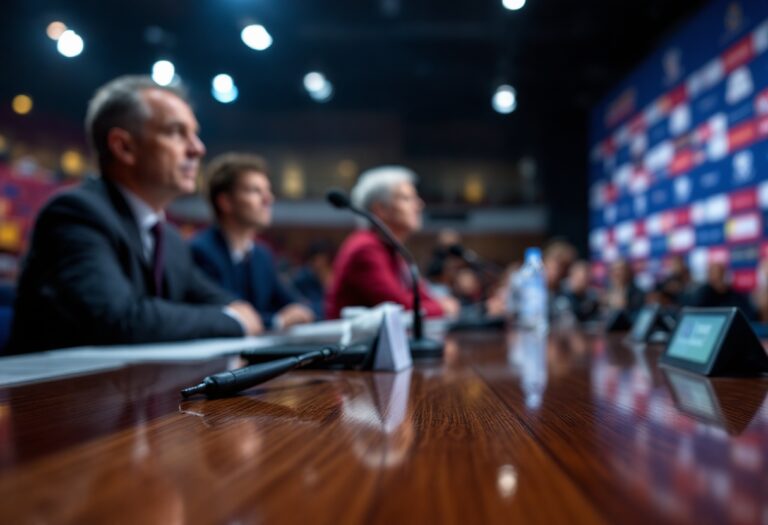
(261, 286)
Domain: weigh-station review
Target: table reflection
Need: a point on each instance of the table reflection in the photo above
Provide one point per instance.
(710, 400)
(527, 353)
(687, 438)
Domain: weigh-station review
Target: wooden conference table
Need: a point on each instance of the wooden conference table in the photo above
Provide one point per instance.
(576, 428)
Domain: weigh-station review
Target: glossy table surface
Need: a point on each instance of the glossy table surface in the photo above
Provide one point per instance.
(571, 428)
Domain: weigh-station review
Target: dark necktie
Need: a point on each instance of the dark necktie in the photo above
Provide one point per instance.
(158, 258)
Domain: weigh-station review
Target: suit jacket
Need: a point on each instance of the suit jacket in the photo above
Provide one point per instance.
(367, 272)
(86, 281)
(261, 287)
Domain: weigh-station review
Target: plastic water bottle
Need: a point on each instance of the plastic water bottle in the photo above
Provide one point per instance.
(533, 307)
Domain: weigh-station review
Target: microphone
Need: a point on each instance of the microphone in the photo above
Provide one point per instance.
(231, 382)
(420, 345)
(473, 259)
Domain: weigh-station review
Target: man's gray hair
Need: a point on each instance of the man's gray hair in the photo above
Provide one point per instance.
(119, 104)
(377, 185)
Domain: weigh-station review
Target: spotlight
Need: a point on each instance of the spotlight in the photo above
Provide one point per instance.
(505, 99)
(513, 5)
(163, 72)
(314, 81)
(223, 88)
(256, 37)
(70, 44)
(318, 87)
(223, 82)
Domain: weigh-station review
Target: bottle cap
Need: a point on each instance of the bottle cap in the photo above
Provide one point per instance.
(533, 253)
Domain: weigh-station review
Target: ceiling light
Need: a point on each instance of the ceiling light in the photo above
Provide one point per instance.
(163, 72)
(314, 81)
(256, 37)
(70, 44)
(513, 5)
(505, 99)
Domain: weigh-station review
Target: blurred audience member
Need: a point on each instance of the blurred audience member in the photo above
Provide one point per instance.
(717, 292)
(577, 296)
(241, 197)
(677, 287)
(444, 264)
(467, 287)
(313, 279)
(558, 257)
(367, 270)
(622, 292)
(760, 295)
(499, 301)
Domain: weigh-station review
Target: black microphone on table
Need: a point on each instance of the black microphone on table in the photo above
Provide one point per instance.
(233, 381)
(420, 345)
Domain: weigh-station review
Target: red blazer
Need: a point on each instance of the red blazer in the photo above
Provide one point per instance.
(367, 272)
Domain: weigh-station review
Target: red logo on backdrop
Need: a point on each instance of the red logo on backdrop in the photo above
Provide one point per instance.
(744, 280)
(676, 96)
(745, 200)
(739, 54)
(683, 216)
(682, 162)
(742, 135)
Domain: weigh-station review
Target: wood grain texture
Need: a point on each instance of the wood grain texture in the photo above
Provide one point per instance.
(643, 448)
(506, 427)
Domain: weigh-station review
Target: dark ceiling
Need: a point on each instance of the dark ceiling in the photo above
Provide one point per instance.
(431, 65)
(414, 57)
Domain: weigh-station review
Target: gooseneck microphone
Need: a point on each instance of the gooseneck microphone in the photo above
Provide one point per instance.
(231, 382)
(420, 345)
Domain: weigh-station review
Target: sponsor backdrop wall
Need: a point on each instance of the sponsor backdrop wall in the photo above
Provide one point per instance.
(679, 151)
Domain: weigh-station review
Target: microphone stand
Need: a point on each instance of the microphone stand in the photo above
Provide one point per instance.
(421, 346)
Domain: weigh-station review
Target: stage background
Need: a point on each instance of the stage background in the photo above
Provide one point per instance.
(678, 153)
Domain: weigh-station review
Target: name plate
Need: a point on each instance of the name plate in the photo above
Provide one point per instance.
(649, 326)
(715, 341)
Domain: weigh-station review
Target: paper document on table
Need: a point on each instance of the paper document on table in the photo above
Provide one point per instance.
(331, 330)
(178, 351)
(48, 365)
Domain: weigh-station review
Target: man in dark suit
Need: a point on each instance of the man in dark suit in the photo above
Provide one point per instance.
(241, 197)
(104, 267)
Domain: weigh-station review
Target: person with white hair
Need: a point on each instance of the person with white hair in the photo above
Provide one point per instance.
(367, 270)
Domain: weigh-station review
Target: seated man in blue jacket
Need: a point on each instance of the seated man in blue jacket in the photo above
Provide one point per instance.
(241, 196)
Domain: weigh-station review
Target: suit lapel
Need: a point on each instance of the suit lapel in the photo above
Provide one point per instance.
(127, 222)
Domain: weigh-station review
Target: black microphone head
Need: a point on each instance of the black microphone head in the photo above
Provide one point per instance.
(338, 198)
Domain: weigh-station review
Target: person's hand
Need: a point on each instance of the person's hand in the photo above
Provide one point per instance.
(294, 314)
(495, 305)
(249, 318)
(450, 305)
